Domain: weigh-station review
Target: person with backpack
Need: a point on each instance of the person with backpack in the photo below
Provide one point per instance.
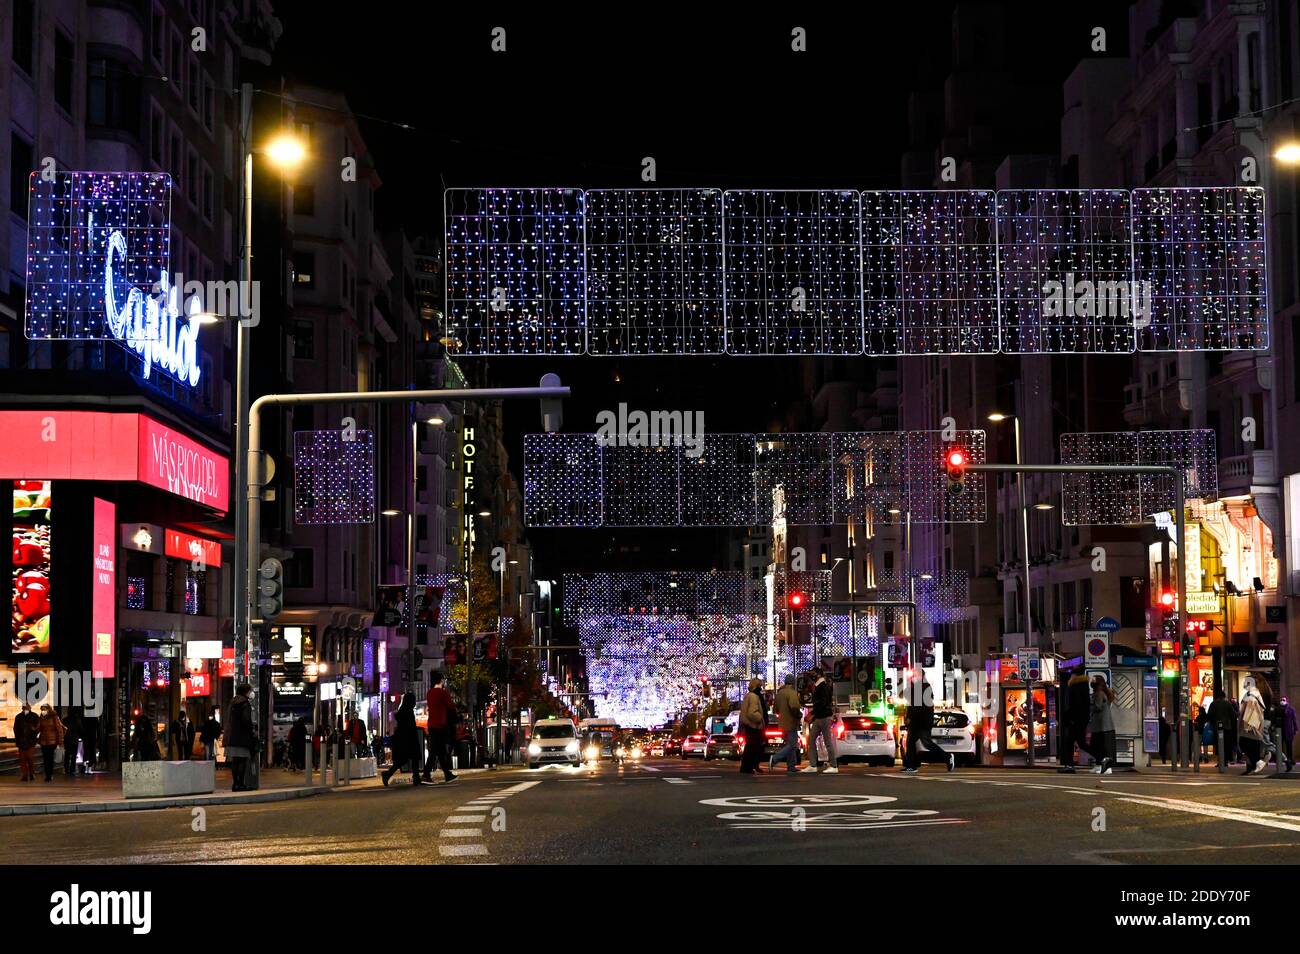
(1250, 728)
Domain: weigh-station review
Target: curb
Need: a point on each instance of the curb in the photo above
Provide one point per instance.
(181, 801)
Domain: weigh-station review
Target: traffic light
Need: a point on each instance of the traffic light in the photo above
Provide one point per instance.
(270, 589)
(798, 601)
(704, 688)
(955, 461)
(1167, 600)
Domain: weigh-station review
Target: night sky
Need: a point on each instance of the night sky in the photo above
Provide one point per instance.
(717, 98)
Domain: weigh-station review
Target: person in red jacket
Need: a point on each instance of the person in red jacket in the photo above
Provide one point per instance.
(442, 715)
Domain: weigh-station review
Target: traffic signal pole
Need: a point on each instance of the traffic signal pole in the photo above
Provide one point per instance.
(259, 473)
(1184, 695)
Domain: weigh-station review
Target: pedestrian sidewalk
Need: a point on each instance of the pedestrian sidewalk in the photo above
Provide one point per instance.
(102, 792)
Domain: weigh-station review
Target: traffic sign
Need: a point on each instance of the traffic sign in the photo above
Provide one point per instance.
(1096, 649)
(1108, 624)
(1029, 664)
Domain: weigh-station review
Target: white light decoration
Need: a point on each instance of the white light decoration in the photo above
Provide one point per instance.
(793, 272)
(733, 482)
(1097, 499)
(333, 478)
(652, 593)
(515, 271)
(654, 271)
(1203, 253)
(1070, 237)
(929, 268)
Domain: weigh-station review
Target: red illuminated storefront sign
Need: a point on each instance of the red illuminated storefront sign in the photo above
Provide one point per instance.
(198, 685)
(186, 546)
(103, 613)
(226, 664)
(99, 445)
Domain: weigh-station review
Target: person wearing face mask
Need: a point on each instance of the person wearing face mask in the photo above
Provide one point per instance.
(26, 730)
(49, 733)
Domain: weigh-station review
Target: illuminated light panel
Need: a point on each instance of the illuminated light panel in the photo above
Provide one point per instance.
(654, 271)
(70, 219)
(793, 272)
(929, 268)
(802, 465)
(1066, 236)
(1096, 499)
(333, 479)
(1203, 253)
(516, 271)
(641, 486)
(713, 484)
(562, 480)
(653, 593)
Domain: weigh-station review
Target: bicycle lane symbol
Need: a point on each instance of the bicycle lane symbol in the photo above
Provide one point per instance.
(792, 813)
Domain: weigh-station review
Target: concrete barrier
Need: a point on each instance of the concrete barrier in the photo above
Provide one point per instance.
(156, 779)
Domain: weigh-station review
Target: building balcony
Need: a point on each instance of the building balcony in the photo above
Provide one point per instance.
(1237, 474)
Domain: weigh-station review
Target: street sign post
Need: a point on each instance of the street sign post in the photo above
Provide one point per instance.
(1096, 649)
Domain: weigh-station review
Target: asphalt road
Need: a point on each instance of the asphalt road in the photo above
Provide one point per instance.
(670, 811)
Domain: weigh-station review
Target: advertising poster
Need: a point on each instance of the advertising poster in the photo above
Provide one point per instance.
(30, 603)
(1018, 720)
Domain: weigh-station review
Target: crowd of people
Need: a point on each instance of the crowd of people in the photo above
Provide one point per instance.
(1248, 727)
(75, 733)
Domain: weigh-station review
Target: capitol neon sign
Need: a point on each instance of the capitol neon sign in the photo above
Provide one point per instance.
(150, 325)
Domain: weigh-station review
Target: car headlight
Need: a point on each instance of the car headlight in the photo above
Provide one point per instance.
(593, 753)
(534, 749)
(571, 747)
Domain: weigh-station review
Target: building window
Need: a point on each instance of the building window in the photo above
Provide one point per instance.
(136, 592)
(20, 169)
(195, 87)
(209, 102)
(176, 170)
(157, 37)
(195, 583)
(112, 97)
(304, 341)
(192, 178)
(65, 64)
(157, 136)
(300, 570)
(304, 269)
(207, 194)
(24, 32)
(177, 67)
(304, 199)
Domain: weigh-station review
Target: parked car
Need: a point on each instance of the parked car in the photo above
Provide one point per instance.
(955, 734)
(694, 744)
(723, 746)
(864, 738)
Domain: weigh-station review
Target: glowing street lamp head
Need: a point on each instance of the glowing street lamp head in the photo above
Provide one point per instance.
(1288, 153)
(997, 417)
(286, 151)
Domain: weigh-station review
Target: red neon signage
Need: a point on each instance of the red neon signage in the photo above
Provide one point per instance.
(186, 546)
(103, 582)
(100, 445)
(198, 685)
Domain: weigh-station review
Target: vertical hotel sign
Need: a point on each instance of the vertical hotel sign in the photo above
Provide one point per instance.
(103, 586)
(467, 451)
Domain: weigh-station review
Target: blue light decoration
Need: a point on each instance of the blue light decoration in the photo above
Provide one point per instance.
(654, 271)
(826, 478)
(929, 271)
(793, 272)
(98, 257)
(1107, 499)
(516, 271)
(1070, 237)
(333, 478)
(1203, 254)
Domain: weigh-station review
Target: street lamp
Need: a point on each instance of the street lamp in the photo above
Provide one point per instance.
(1288, 153)
(998, 417)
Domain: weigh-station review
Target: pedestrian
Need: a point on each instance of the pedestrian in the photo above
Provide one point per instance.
(89, 744)
(789, 716)
(1075, 721)
(239, 737)
(296, 744)
(49, 735)
(145, 739)
(1165, 732)
(441, 715)
(1102, 726)
(209, 732)
(510, 746)
(405, 742)
(355, 732)
(1220, 718)
(1234, 743)
(1250, 728)
(377, 748)
(753, 720)
(919, 720)
(820, 716)
(1289, 725)
(71, 738)
(26, 733)
(182, 736)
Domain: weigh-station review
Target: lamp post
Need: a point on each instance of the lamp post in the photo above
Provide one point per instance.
(286, 153)
(997, 418)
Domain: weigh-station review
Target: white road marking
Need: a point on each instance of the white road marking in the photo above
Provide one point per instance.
(459, 851)
(462, 819)
(678, 781)
(461, 833)
(651, 768)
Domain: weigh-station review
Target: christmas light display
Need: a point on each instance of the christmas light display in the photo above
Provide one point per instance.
(929, 268)
(562, 480)
(793, 272)
(1094, 499)
(333, 478)
(1069, 240)
(515, 271)
(826, 478)
(653, 593)
(71, 217)
(654, 271)
(1202, 251)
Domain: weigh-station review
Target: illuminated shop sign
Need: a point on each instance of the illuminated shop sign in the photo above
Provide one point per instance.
(30, 599)
(103, 587)
(185, 546)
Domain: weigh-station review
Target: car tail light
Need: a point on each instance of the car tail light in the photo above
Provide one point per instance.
(839, 730)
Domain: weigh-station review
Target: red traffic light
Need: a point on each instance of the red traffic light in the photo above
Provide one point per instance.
(798, 600)
(1167, 599)
(956, 460)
